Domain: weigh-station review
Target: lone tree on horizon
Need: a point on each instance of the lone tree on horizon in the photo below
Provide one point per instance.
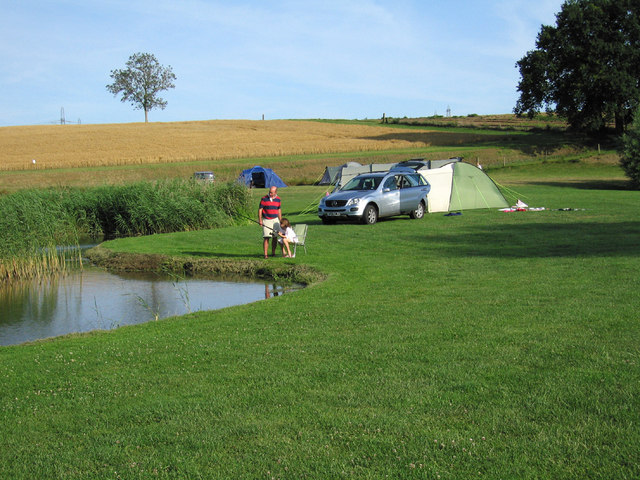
(141, 82)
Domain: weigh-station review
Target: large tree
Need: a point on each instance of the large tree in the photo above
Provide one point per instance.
(141, 82)
(587, 67)
(630, 158)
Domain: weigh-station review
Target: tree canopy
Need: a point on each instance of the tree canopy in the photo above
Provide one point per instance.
(141, 82)
(587, 66)
(630, 158)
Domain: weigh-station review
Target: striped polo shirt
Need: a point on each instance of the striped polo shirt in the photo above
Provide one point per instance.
(270, 206)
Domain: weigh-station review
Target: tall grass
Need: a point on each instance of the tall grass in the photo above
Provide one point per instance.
(34, 222)
(169, 206)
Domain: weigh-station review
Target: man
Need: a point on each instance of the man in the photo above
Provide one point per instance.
(269, 216)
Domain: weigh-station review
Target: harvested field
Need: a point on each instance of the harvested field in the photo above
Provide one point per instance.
(70, 146)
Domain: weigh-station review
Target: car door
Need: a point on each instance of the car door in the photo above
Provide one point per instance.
(411, 192)
(389, 202)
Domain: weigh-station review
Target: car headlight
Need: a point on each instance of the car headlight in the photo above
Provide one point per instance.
(353, 201)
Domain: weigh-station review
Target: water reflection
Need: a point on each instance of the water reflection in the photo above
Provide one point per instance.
(273, 291)
(95, 299)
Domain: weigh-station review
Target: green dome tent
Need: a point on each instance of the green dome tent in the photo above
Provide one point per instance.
(461, 186)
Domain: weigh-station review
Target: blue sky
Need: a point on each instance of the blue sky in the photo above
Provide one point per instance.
(281, 59)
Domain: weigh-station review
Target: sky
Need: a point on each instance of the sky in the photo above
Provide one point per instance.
(282, 59)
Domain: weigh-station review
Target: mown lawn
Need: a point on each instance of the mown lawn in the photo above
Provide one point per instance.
(490, 345)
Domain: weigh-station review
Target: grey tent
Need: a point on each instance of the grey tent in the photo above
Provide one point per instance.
(333, 175)
(330, 175)
(350, 172)
(339, 176)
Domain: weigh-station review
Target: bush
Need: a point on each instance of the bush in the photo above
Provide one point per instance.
(630, 159)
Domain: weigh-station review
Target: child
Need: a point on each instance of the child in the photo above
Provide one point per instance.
(286, 235)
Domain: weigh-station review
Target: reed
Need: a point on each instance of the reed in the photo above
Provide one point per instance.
(33, 223)
(160, 207)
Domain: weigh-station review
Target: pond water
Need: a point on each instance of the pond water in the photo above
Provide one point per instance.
(93, 298)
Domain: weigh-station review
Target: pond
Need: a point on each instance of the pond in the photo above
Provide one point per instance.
(92, 298)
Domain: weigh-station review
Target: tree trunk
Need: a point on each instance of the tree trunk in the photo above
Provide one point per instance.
(620, 123)
(146, 116)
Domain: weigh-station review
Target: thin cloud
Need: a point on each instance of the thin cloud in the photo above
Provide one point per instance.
(285, 58)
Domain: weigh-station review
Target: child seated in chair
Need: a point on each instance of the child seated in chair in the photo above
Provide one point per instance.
(286, 235)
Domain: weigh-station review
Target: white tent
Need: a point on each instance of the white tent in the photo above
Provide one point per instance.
(461, 186)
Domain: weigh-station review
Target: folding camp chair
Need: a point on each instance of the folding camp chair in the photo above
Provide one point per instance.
(301, 233)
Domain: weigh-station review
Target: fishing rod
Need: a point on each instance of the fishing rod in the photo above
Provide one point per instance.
(255, 221)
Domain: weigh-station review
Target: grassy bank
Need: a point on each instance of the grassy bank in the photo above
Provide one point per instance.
(488, 345)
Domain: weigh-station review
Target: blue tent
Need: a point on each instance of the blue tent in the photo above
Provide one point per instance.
(260, 178)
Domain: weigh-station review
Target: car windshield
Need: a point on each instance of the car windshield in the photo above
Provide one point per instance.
(362, 183)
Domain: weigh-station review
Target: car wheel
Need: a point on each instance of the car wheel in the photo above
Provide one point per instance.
(370, 215)
(418, 213)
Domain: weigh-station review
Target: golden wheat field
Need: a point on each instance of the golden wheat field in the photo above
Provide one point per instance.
(68, 146)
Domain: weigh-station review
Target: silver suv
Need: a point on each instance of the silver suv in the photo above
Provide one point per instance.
(370, 196)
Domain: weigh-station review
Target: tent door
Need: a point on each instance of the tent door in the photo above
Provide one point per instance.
(257, 179)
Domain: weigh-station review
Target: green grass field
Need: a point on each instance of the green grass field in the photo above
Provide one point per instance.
(487, 345)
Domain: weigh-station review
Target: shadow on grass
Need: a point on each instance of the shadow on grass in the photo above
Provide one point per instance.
(213, 254)
(541, 240)
(351, 221)
(589, 184)
(532, 143)
(291, 216)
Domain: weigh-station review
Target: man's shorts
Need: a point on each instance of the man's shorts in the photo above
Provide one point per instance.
(269, 227)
